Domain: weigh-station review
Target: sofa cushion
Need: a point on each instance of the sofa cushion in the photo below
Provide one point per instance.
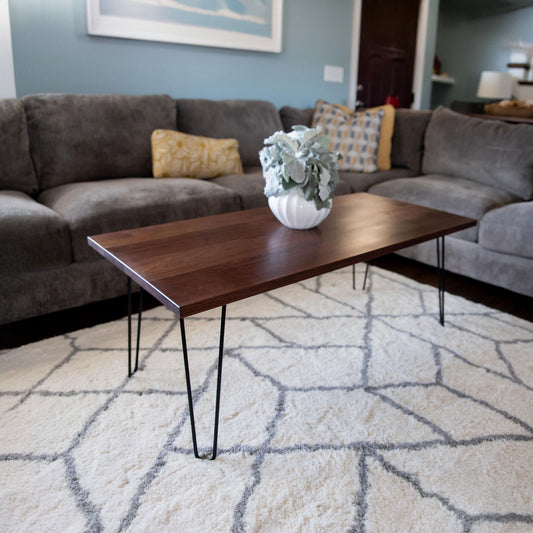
(454, 195)
(491, 152)
(353, 134)
(250, 187)
(509, 229)
(16, 170)
(177, 154)
(408, 138)
(295, 116)
(92, 137)
(355, 137)
(248, 121)
(110, 205)
(361, 181)
(33, 237)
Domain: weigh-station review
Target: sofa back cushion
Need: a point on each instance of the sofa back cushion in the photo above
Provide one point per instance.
(248, 121)
(491, 152)
(295, 116)
(77, 138)
(16, 170)
(408, 138)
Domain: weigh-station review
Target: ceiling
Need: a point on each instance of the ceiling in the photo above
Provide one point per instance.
(483, 8)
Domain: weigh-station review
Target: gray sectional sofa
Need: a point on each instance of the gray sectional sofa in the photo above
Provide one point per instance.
(77, 165)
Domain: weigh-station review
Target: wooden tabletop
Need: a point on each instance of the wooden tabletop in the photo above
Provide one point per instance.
(503, 118)
(194, 265)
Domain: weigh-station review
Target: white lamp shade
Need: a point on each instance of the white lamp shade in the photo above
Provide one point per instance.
(495, 85)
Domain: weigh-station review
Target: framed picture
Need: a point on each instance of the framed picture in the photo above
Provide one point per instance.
(243, 24)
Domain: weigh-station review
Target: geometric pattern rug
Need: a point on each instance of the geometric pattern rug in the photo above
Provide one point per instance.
(341, 410)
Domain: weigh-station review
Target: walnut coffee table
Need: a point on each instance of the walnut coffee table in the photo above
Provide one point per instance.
(195, 265)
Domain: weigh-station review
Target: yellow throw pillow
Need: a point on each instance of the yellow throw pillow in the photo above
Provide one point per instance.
(176, 154)
(336, 115)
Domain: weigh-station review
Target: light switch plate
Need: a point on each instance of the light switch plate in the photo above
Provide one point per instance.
(333, 73)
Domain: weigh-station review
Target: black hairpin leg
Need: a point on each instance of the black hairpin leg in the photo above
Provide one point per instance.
(440, 266)
(130, 372)
(353, 276)
(189, 388)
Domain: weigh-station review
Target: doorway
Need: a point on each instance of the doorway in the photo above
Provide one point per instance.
(387, 50)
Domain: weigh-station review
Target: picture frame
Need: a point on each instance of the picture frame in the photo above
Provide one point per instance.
(246, 25)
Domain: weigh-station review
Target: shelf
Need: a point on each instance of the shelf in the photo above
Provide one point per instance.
(525, 66)
(504, 118)
(437, 78)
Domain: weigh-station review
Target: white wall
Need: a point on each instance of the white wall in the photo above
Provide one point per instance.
(7, 77)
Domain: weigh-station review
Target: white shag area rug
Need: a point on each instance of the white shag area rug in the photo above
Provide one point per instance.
(341, 410)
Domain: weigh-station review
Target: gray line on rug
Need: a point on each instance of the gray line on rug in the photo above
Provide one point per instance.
(290, 306)
(59, 365)
(358, 446)
(406, 283)
(466, 519)
(448, 350)
(438, 362)
(410, 478)
(413, 414)
(90, 510)
(500, 317)
(510, 367)
(361, 503)
(387, 447)
(486, 404)
(401, 385)
(264, 328)
(82, 497)
(152, 473)
(336, 300)
(240, 509)
(367, 341)
(103, 392)
(30, 457)
(257, 373)
(503, 518)
(168, 447)
(325, 388)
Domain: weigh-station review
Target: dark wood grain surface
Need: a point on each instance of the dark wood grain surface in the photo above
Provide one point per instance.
(194, 265)
(504, 118)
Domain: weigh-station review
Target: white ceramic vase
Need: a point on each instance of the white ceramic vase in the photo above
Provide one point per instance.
(294, 211)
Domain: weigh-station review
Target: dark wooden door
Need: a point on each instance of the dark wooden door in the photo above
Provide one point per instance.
(387, 51)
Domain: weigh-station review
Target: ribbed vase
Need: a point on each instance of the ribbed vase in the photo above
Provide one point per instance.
(294, 211)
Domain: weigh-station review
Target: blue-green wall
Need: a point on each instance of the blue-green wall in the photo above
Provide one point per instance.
(53, 53)
(467, 46)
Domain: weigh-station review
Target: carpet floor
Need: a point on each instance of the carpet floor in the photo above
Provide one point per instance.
(341, 410)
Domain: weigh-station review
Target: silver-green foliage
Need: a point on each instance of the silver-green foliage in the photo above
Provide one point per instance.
(300, 159)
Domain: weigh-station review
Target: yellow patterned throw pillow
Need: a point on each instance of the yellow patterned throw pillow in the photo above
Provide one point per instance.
(176, 154)
(364, 138)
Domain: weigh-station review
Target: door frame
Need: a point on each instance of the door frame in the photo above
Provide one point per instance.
(420, 54)
(7, 82)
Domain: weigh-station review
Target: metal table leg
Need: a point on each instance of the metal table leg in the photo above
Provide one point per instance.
(353, 276)
(139, 319)
(189, 388)
(440, 266)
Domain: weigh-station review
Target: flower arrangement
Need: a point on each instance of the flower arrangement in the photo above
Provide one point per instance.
(300, 159)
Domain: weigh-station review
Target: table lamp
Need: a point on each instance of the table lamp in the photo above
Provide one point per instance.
(495, 85)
